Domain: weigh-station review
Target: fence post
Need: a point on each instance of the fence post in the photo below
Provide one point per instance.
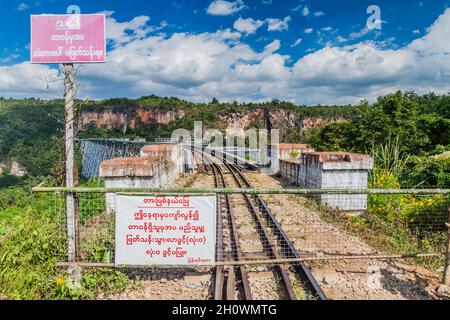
(445, 287)
(69, 93)
(447, 258)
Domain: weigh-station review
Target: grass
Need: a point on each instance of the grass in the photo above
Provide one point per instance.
(392, 236)
(32, 242)
(97, 238)
(294, 153)
(389, 157)
(299, 289)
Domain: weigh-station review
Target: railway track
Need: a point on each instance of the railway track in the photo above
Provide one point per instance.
(234, 282)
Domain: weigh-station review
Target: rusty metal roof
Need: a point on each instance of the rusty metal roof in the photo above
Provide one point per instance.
(286, 146)
(337, 156)
(137, 167)
(158, 148)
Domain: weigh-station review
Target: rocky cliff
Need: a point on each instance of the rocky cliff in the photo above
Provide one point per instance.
(276, 119)
(13, 168)
(126, 119)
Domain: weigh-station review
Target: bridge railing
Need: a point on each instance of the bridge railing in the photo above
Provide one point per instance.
(166, 140)
(95, 151)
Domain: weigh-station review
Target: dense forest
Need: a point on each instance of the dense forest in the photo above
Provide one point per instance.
(407, 134)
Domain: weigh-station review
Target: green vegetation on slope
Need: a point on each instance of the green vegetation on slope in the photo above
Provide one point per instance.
(31, 133)
(419, 124)
(31, 130)
(32, 242)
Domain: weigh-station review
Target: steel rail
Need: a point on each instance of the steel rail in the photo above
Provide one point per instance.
(219, 274)
(237, 252)
(302, 269)
(219, 280)
(266, 236)
(235, 242)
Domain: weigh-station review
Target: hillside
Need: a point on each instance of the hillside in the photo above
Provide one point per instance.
(31, 131)
(150, 117)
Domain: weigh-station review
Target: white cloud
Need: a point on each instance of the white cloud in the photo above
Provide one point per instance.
(275, 45)
(278, 24)
(25, 80)
(198, 67)
(9, 58)
(305, 11)
(296, 43)
(365, 71)
(22, 6)
(417, 31)
(308, 30)
(228, 34)
(224, 8)
(27, 5)
(182, 64)
(297, 7)
(250, 25)
(318, 13)
(120, 33)
(356, 35)
(360, 34)
(247, 26)
(436, 39)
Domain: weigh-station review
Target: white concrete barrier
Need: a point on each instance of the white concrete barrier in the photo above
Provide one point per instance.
(331, 170)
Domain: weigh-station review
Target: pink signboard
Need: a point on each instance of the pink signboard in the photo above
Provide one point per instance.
(68, 38)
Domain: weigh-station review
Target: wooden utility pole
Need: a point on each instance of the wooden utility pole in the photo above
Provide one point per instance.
(69, 94)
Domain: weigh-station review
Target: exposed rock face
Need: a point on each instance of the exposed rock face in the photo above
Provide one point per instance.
(17, 170)
(283, 119)
(112, 118)
(106, 119)
(159, 116)
(13, 169)
(311, 123)
(236, 122)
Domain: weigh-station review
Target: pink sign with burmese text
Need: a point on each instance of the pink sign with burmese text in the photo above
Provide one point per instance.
(68, 38)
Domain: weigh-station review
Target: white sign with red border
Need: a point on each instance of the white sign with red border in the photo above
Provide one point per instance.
(165, 230)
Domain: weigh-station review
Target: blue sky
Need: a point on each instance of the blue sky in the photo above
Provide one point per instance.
(305, 51)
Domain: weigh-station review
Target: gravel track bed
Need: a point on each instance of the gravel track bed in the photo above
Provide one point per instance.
(355, 279)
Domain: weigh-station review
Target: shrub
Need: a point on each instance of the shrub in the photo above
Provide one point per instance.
(295, 153)
(32, 241)
(389, 157)
(431, 171)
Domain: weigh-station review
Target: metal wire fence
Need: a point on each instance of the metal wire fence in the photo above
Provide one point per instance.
(279, 224)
